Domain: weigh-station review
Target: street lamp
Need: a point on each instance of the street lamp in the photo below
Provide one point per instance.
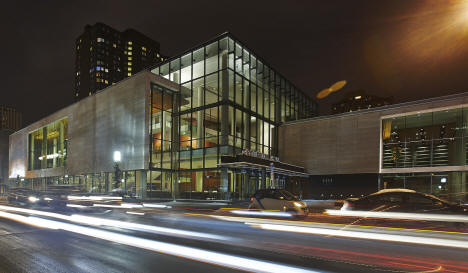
(117, 156)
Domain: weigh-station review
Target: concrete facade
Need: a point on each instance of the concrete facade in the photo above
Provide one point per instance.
(350, 143)
(114, 119)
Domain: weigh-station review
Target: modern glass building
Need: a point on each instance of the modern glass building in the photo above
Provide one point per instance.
(201, 125)
(230, 101)
(432, 140)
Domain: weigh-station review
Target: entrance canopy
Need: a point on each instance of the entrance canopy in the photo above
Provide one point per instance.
(246, 162)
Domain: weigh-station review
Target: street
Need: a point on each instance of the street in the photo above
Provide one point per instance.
(201, 240)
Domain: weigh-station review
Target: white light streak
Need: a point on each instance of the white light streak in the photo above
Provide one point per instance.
(95, 221)
(141, 227)
(262, 213)
(135, 213)
(76, 206)
(94, 198)
(399, 215)
(365, 235)
(127, 206)
(156, 206)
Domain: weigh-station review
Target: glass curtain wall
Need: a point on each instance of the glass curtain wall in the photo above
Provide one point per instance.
(426, 140)
(229, 100)
(47, 146)
(448, 185)
(164, 105)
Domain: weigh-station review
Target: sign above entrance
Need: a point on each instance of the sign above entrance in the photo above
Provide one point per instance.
(260, 155)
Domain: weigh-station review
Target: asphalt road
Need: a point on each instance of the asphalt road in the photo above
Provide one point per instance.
(289, 245)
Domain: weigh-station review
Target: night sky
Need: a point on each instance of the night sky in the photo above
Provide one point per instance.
(408, 49)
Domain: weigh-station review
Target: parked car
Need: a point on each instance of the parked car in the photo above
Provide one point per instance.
(403, 200)
(278, 199)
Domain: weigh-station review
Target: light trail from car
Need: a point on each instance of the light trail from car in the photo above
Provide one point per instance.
(95, 221)
(364, 235)
(331, 225)
(211, 257)
(400, 215)
(262, 213)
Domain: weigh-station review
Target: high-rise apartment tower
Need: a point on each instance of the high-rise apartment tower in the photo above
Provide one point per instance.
(105, 56)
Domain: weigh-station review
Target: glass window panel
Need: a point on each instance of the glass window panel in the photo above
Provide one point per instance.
(231, 121)
(260, 101)
(211, 58)
(259, 135)
(253, 98)
(448, 124)
(231, 45)
(164, 71)
(198, 63)
(231, 60)
(167, 126)
(246, 96)
(212, 124)
(239, 124)
(174, 68)
(155, 71)
(211, 90)
(231, 85)
(186, 96)
(266, 104)
(417, 127)
(272, 107)
(238, 85)
(197, 125)
(223, 44)
(186, 66)
(197, 94)
(253, 130)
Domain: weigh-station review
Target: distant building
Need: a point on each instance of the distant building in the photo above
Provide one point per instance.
(10, 121)
(359, 100)
(105, 56)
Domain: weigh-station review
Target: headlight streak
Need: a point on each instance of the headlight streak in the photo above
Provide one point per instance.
(93, 198)
(364, 235)
(135, 213)
(77, 206)
(210, 257)
(123, 205)
(156, 206)
(120, 224)
(399, 215)
(262, 213)
(33, 199)
(141, 227)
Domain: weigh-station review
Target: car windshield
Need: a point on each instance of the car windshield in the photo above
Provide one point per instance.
(288, 195)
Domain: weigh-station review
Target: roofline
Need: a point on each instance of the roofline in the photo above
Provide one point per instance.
(382, 108)
(87, 97)
(230, 35)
